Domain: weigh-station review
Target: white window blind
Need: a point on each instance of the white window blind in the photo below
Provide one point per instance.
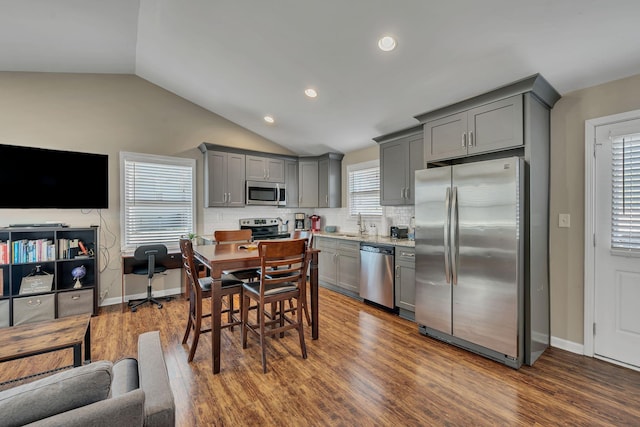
(157, 199)
(364, 189)
(625, 215)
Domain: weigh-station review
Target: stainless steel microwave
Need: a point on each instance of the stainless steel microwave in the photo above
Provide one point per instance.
(266, 193)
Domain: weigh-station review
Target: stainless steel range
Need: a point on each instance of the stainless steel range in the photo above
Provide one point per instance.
(264, 228)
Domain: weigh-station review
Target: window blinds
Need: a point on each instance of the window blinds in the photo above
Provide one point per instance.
(157, 200)
(364, 192)
(625, 204)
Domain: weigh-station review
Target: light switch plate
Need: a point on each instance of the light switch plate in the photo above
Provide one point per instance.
(564, 220)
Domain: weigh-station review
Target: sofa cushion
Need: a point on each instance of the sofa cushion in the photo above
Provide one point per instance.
(125, 410)
(125, 376)
(57, 393)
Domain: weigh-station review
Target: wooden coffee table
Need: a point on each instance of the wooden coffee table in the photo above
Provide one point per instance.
(43, 337)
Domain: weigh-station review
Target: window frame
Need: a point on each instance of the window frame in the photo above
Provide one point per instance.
(358, 167)
(129, 243)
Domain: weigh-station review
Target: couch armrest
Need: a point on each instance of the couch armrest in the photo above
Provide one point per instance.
(159, 406)
(124, 410)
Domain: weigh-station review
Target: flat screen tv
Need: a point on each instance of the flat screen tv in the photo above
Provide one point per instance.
(38, 178)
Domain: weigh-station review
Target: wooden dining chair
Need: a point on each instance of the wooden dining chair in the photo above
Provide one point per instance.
(289, 260)
(237, 236)
(199, 289)
(303, 234)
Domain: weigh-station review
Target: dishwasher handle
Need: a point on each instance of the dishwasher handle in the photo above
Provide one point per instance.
(385, 250)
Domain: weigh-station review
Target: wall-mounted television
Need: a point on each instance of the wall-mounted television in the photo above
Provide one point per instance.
(33, 178)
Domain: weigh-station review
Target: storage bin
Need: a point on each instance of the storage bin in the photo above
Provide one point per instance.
(4, 313)
(33, 309)
(75, 302)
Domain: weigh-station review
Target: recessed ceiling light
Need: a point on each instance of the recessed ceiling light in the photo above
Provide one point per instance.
(269, 119)
(387, 43)
(311, 93)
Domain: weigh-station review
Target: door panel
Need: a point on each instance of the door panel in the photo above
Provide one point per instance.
(433, 287)
(486, 295)
(617, 272)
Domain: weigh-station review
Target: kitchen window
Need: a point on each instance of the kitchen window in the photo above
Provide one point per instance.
(157, 201)
(364, 189)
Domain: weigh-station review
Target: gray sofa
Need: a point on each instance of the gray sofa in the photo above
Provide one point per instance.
(129, 392)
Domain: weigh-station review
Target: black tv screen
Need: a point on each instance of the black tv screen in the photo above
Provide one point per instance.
(42, 178)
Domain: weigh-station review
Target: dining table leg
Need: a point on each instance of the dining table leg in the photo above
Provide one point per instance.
(216, 309)
(313, 276)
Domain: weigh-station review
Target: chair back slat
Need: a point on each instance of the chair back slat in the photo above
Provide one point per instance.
(229, 236)
(287, 258)
(186, 249)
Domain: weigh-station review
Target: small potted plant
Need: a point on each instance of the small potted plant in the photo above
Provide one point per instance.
(194, 238)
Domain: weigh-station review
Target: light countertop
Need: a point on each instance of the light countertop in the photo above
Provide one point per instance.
(366, 238)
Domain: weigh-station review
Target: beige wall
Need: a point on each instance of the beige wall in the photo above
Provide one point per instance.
(106, 113)
(567, 195)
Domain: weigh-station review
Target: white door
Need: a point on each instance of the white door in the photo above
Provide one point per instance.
(617, 242)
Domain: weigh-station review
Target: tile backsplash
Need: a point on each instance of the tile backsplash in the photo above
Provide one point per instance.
(228, 218)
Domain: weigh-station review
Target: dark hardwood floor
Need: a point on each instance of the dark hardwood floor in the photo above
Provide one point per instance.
(368, 368)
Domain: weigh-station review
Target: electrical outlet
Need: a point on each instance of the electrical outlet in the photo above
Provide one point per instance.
(564, 220)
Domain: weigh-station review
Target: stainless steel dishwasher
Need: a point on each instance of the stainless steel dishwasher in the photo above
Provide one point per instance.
(376, 273)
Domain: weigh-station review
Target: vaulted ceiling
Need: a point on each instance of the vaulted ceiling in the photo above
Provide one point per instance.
(244, 59)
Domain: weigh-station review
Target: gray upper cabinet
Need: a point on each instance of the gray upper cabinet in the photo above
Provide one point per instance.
(311, 182)
(307, 183)
(291, 182)
(320, 181)
(399, 159)
(224, 177)
(491, 127)
(330, 181)
(265, 169)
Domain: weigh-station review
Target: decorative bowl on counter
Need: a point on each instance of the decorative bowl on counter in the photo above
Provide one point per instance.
(330, 228)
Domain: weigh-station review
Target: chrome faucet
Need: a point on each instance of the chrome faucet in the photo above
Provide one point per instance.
(361, 228)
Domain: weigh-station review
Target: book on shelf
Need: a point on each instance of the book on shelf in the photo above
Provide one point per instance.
(68, 248)
(1, 282)
(4, 253)
(37, 250)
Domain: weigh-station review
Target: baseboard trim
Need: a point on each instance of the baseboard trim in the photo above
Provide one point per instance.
(161, 293)
(571, 346)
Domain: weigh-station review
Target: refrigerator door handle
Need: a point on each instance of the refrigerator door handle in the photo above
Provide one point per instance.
(453, 244)
(447, 235)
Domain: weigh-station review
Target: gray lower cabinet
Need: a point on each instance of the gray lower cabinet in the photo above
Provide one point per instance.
(224, 179)
(291, 182)
(491, 127)
(339, 265)
(399, 159)
(405, 283)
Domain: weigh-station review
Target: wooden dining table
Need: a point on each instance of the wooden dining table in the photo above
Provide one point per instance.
(226, 256)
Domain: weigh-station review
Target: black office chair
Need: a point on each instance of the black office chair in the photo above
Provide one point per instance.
(153, 254)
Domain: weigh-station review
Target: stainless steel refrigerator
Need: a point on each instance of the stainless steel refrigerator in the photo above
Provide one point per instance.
(470, 256)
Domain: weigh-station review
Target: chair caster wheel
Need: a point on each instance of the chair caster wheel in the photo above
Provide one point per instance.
(134, 309)
(159, 306)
